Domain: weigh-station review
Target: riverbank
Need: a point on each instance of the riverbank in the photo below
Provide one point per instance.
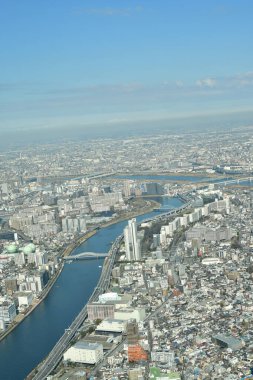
(66, 252)
(152, 205)
(35, 303)
(78, 242)
(21, 317)
(70, 293)
(172, 174)
(52, 359)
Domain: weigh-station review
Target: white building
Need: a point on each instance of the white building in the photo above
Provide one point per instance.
(24, 298)
(212, 261)
(130, 313)
(2, 325)
(82, 352)
(163, 357)
(132, 243)
(112, 325)
(7, 310)
(19, 258)
(110, 296)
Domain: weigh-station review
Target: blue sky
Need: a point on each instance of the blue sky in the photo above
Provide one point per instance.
(84, 62)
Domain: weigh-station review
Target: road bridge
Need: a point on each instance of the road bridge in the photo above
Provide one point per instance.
(163, 208)
(85, 256)
(235, 181)
(54, 357)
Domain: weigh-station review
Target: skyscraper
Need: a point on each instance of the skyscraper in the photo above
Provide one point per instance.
(131, 241)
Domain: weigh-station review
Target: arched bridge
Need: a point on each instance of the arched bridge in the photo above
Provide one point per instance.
(85, 256)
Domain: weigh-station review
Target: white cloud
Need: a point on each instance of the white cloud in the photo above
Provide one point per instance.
(207, 82)
(179, 83)
(233, 82)
(245, 79)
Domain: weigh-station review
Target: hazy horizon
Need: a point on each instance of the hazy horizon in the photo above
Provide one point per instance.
(20, 138)
(104, 66)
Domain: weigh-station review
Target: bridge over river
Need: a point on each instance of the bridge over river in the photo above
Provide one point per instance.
(85, 256)
(235, 181)
(163, 209)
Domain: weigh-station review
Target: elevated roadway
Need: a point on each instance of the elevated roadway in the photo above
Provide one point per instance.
(47, 366)
(54, 357)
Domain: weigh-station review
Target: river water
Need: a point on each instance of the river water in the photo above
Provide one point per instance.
(162, 177)
(31, 341)
(190, 179)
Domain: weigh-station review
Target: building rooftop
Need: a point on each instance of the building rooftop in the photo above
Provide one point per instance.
(87, 346)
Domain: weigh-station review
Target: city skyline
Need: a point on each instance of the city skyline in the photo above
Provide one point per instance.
(66, 202)
(126, 197)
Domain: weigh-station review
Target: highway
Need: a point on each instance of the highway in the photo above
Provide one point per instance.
(54, 357)
(46, 367)
(165, 215)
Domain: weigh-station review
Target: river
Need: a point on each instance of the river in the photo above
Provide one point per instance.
(162, 177)
(179, 178)
(31, 341)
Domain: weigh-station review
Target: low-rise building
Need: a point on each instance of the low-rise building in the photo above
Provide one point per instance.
(112, 325)
(98, 310)
(130, 313)
(82, 352)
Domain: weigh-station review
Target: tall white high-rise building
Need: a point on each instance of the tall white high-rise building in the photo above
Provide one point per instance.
(73, 225)
(132, 244)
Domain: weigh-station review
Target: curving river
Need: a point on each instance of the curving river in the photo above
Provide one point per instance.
(31, 341)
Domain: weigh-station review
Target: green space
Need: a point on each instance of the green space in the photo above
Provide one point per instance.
(155, 373)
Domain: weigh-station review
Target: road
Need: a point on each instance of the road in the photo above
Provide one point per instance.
(54, 357)
(85, 255)
(120, 347)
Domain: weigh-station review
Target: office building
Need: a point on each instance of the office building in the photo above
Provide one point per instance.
(74, 225)
(132, 332)
(153, 188)
(7, 311)
(11, 285)
(131, 241)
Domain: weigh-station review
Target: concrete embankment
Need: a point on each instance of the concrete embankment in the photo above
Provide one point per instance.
(21, 317)
(78, 242)
(150, 205)
(67, 251)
